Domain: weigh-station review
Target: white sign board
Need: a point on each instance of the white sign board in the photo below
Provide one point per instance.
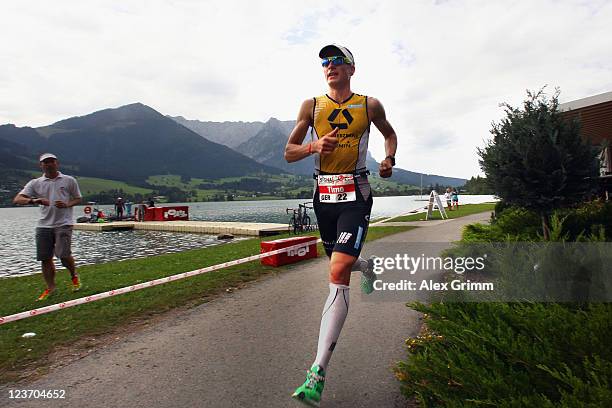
(434, 198)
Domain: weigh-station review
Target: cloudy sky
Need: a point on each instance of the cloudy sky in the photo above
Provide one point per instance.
(440, 68)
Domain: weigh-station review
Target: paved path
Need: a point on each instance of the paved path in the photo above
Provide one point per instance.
(413, 223)
(250, 348)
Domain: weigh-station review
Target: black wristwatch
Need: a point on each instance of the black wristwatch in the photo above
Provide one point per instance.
(392, 159)
(31, 201)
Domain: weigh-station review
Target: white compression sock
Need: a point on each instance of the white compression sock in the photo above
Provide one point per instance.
(334, 314)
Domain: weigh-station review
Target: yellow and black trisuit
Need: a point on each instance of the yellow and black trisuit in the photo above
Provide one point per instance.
(343, 225)
(351, 118)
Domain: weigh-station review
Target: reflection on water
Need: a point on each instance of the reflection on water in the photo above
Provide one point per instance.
(17, 225)
(90, 247)
(135, 244)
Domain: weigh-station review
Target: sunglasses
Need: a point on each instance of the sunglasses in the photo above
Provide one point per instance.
(337, 60)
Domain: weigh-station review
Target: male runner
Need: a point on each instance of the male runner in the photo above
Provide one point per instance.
(56, 194)
(342, 198)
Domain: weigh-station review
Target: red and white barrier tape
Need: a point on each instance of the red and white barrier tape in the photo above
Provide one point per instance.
(160, 281)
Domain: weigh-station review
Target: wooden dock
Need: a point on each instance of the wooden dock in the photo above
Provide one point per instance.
(202, 227)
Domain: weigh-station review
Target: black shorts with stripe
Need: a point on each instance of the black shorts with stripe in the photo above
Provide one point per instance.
(343, 226)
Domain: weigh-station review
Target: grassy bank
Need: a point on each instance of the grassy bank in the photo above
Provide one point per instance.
(462, 211)
(91, 185)
(523, 353)
(65, 327)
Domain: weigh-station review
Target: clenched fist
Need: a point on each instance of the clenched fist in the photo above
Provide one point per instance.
(385, 169)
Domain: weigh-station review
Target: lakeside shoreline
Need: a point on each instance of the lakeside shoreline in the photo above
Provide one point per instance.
(58, 329)
(231, 322)
(111, 314)
(250, 199)
(17, 234)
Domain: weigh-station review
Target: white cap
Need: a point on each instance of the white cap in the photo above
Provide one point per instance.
(45, 156)
(333, 50)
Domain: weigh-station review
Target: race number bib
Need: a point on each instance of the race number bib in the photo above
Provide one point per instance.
(336, 188)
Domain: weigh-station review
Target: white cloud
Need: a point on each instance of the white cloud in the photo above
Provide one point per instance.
(440, 68)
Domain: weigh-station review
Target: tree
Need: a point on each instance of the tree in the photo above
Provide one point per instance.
(537, 159)
(478, 185)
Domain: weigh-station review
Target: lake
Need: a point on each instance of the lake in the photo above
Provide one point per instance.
(18, 252)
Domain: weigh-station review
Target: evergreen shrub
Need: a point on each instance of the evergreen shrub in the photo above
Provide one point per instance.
(510, 355)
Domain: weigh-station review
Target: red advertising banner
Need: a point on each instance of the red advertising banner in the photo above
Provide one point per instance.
(290, 256)
(175, 213)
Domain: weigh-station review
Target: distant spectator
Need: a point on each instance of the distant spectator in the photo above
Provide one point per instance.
(56, 194)
(139, 214)
(455, 199)
(119, 207)
(151, 203)
(447, 197)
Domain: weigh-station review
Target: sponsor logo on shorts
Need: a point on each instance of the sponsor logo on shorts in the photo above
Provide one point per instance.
(344, 237)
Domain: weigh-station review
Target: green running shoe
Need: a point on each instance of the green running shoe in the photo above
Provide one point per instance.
(368, 277)
(310, 392)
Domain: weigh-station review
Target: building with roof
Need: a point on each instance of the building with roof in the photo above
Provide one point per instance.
(595, 115)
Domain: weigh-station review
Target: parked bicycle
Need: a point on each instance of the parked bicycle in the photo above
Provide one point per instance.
(300, 220)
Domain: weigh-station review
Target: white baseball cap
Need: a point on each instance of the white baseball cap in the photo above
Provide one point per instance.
(46, 156)
(333, 50)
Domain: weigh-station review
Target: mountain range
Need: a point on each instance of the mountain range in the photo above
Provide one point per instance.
(133, 142)
(230, 134)
(268, 145)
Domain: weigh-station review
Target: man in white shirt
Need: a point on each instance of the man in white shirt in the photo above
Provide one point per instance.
(56, 194)
(447, 197)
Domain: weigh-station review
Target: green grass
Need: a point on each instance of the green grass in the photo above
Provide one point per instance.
(466, 209)
(205, 195)
(381, 185)
(91, 185)
(64, 328)
(171, 180)
(289, 186)
(521, 354)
